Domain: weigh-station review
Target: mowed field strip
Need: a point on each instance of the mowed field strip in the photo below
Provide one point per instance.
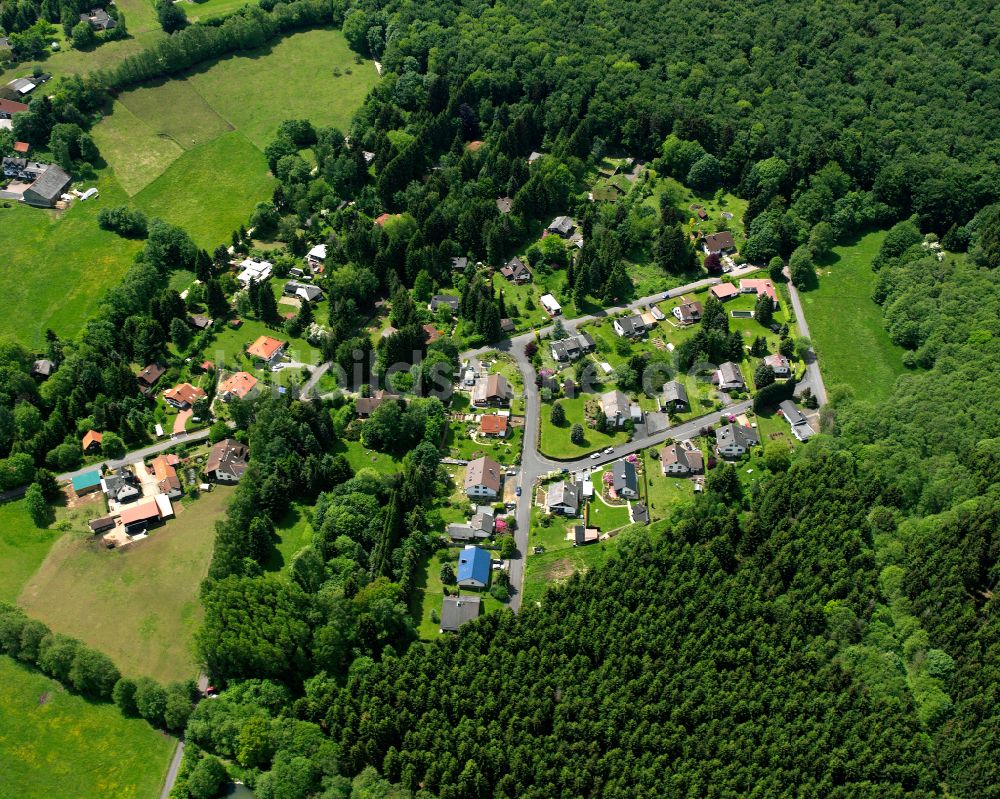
(60, 746)
(139, 606)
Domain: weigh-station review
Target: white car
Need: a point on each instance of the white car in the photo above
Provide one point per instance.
(609, 450)
(594, 456)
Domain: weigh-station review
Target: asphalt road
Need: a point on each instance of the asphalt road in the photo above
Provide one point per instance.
(814, 378)
(175, 765)
(139, 454)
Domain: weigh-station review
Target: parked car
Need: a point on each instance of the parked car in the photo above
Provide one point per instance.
(564, 470)
(666, 295)
(609, 450)
(594, 456)
(517, 491)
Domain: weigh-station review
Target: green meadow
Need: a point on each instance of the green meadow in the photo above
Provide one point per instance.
(54, 745)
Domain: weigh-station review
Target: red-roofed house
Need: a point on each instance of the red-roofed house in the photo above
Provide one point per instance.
(21, 147)
(493, 425)
(10, 107)
(183, 396)
(267, 350)
(241, 385)
(724, 291)
(381, 219)
(760, 286)
(92, 441)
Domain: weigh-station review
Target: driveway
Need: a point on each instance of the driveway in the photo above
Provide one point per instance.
(181, 420)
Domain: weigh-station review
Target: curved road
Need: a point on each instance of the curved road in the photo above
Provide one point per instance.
(534, 465)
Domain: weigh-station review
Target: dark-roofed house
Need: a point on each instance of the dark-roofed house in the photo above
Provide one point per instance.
(47, 188)
(562, 226)
(573, 347)
(491, 390)
(730, 378)
(630, 326)
(101, 525)
(365, 406)
(149, 377)
(227, 461)
(675, 396)
(479, 528)
(625, 481)
(717, 243)
(43, 368)
(200, 321)
(516, 271)
(688, 313)
(457, 610)
(99, 20)
(122, 486)
(796, 420)
(303, 291)
(459, 263)
(676, 460)
(507, 325)
(639, 513)
(483, 478)
(473, 567)
(563, 497)
(735, 440)
(445, 299)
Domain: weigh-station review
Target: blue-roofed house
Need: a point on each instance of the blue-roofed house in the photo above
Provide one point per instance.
(86, 483)
(473, 568)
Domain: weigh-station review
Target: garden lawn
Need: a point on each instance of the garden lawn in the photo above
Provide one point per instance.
(603, 516)
(290, 79)
(210, 190)
(23, 547)
(360, 457)
(846, 325)
(504, 451)
(428, 594)
(556, 442)
(140, 606)
(294, 532)
(664, 494)
(59, 746)
(70, 260)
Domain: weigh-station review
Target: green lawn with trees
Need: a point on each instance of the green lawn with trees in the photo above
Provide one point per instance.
(557, 439)
(59, 745)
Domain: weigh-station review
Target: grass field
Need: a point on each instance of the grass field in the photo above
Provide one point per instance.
(555, 441)
(210, 9)
(54, 745)
(139, 606)
(210, 190)
(291, 79)
(80, 261)
(846, 325)
(140, 154)
(23, 547)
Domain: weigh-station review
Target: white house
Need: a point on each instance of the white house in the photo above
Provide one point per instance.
(617, 408)
(482, 478)
(730, 378)
(255, 270)
(735, 440)
(550, 305)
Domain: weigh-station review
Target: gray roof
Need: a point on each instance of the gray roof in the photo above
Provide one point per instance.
(445, 299)
(736, 433)
(562, 225)
(792, 414)
(50, 183)
(457, 610)
(615, 403)
(640, 515)
(632, 324)
(624, 476)
(563, 493)
(43, 367)
(674, 391)
(459, 262)
(731, 373)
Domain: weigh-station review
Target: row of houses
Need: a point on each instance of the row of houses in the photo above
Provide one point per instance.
(569, 349)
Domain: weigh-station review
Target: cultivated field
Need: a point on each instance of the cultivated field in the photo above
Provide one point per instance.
(59, 746)
(139, 606)
(846, 325)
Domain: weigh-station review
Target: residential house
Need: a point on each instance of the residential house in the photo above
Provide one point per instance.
(43, 368)
(227, 461)
(562, 226)
(200, 321)
(122, 486)
(316, 257)
(571, 348)
(563, 497)
(303, 291)
(473, 568)
(675, 396)
(491, 390)
(656, 313)
(149, 377)
(535, 155)
(101, 525)
(254, 269)
(507, 325)
(267, 350)
(678, 461)
(167, 481)
(796, 421)
(365, 406)
(760, 286)
(459, 263)
(569, 388)
(86, 483)
(21, 147)
(625, 481)
(493, 426)
(516, 271)
(448, 300)
(483, 477)
(138, 518)
(479, 528)
(99, 20)
(457, 610)
(241, 385)
(724, 291)
(183, 396)
(617, 408)
(718, 243)
(92, 441)
(730, 378)
(735, 440)
(381, 219)
(549, 305)
(639, 513)
(629, 326)
(585, 535)
(504, 204)
(47, 188)
(7, 110)
(780, 365)
(688, 313)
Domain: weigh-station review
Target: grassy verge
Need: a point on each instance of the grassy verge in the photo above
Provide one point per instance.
(846, 325)
(139, 605)
(59, 746)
